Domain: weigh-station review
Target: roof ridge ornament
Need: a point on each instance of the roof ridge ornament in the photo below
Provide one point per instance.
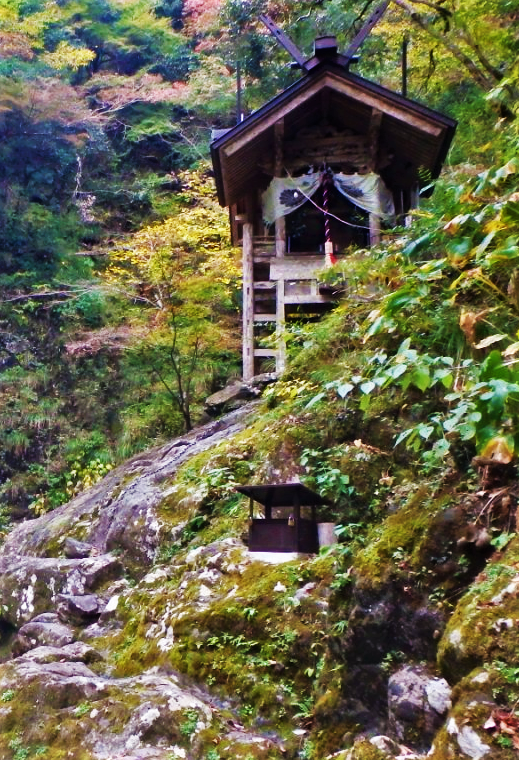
(325, 47)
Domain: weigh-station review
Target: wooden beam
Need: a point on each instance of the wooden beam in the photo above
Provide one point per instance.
(284, 40)
(366, 29)
(296, 267)
(265, 352)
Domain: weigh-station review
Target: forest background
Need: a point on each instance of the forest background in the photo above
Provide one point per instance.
(119, 289)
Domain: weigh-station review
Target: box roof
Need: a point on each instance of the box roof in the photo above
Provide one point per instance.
(282, 494)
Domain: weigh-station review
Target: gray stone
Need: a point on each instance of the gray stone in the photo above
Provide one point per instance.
(417, 704)
(439, 695)
(33, 635)
(78, 610)
(77, 651)
(305, 591)
(92, 573)
(58, 685)
(46, 617)
(74, 549)
(231, 397)
(385, 744)
(29, 585)
(468, 740)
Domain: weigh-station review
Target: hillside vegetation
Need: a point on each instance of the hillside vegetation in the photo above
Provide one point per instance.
(110, 233)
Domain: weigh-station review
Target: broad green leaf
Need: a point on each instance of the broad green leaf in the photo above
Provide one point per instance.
(421, 378)
(505, 253)
(482, 247)
(397, 370)
(503, 539)
(380, 380)
(364, 402)
(459, 250)
(467, 430)
(411, 355)
(452, 397)
(444, 375)
(344, 389)
(400, 300)
(451, 424)
(405, 434)
(511, 167)
(442, 447)
(381, 324)
(425, 431)
(315, 400)
(492, 367)
(416, 245)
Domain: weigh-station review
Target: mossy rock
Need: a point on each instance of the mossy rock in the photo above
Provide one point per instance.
(244, 627)
(467, 731)
(396, 546)
(484, 626)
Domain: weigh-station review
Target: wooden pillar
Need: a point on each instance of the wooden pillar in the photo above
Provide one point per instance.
(280, 232)
(414, 202)
(248, 301)
(281, 359)
(373, 146)
(280, 226)
(297, 518)
(374, 229)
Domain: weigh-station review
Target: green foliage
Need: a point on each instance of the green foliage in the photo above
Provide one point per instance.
(189, 723)
(19, 751)
(328, 480)
(191, 278)
(83, 709)
(81, 476)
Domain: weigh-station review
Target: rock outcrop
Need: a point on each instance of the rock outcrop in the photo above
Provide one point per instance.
(136, 625)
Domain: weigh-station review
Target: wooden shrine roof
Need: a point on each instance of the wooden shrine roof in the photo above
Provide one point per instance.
(283, 494)
(416, 137)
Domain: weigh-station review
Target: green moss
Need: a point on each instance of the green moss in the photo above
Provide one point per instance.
(396, 545)
(484, 625)
(251, 638)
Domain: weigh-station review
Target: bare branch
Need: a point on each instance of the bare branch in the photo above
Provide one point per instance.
(492, 70)
(38, 296)
(477, 74)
